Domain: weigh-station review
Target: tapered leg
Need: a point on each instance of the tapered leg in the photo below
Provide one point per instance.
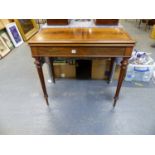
(124, 64)
(38, 64)
(112, 70)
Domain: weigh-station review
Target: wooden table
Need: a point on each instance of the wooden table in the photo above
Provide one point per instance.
(81, 43)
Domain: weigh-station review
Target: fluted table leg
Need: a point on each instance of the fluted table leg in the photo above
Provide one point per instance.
(124, 64)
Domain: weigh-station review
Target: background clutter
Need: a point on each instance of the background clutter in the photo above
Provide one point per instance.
(141, 67)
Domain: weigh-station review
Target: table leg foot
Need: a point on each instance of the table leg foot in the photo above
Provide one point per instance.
(115, 100)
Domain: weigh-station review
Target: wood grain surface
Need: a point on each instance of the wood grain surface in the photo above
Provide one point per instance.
(81, 35)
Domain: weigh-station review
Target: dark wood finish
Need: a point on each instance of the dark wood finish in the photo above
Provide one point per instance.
(106, 21)
(57, 22)
(82, 43)
(78, 51)
(38, 63)
(124, 64)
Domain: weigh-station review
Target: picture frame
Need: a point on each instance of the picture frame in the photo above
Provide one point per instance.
(27, 27)
(14, 34)
(4, 49)
(4, 35)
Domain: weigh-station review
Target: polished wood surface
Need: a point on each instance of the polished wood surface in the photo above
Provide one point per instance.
(78, 51)
(124, 64)
(81, 43)
(81, 35)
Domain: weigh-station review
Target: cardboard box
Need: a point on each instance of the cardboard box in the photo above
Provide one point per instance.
(64, 70)
(153, 32)
(99, 70)
(117, 71)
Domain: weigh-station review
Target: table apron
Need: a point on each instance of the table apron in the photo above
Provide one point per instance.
(79, 51)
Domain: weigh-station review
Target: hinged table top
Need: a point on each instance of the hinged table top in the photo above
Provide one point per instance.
(81, 35)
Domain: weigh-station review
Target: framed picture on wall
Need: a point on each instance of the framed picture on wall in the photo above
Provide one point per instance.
(4, 49)
(4, 35)
(14, 34)
(27, 27)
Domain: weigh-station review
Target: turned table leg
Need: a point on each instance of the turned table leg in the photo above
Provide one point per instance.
(124, 64)
(38, 64)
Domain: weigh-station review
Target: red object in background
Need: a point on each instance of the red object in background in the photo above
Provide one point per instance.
(106, 21)
(57, 22)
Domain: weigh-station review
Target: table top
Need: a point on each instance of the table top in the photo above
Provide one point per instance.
(81, 35)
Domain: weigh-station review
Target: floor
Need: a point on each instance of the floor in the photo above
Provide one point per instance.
(76, 106)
